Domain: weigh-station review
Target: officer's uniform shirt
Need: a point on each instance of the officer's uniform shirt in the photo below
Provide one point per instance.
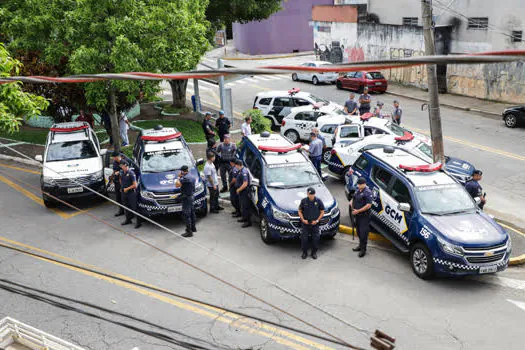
(365, 97)
(321, 137)
(398, 112)
(474, 188)
(362, 198)
(223, 125)
(187, 186)
(207, 128)
(233, 174)
(311, 209)
(128, 178)
(227, 152)
(242, 176)
(316, 148)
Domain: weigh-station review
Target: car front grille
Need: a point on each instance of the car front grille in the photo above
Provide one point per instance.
(482, 249)
(485, 259)
(168, 201)
(83, 180)
(324, 221)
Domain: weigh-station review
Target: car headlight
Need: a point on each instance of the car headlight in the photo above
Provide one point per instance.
(49, 180)
(146, 194)
(509, 245)
(450, 248)
(199, 186)
(334, 212)
(99, 175)
(280, 215)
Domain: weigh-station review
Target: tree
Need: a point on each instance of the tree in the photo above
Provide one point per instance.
(107, 36)
(225, 12)
(15, 104)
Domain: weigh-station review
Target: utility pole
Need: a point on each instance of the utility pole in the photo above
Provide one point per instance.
(436, 132)
(113, 114)
(220, 64)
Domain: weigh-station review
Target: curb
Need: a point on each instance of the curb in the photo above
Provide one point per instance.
(371, 236)
(21, 160)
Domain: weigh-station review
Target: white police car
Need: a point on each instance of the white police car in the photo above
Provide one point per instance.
(424, 211)
(275, 105)
(72, 159)
(281, 173)
(159, 154)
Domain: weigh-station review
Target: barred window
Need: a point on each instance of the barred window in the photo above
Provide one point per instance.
(324, 29)
(410, 21)
(517, 36)
(479, 23)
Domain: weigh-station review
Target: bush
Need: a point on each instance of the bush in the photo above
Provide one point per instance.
(259, 122)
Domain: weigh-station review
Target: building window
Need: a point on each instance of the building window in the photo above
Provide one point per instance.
(480, 23)
(410, 21)
(517, 36)
(324, 29)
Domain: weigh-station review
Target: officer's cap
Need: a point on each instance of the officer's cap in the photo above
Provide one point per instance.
(184, 168)
(477, 172)
(115, 154)
(313, 134)
(124, 162)
(310, 190)
(361, 181)
(396, 101)
(227, 136)
(221, 112)
(238, 162)
(207, 113)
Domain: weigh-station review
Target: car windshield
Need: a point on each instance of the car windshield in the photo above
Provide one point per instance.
(318, 99)
(338, 111)
(70, 150)
(374, 75)
(444, 199)
(396, 129)
(425, 149)
(165, 160)
(291, 175)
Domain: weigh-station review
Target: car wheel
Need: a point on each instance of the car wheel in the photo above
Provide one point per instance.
(294, 77)
(264, 230)
(510, 120)
(339, 85)
(315, 81)
(421, 261)
(292, 135)
(329, 237)
(49, 203)
(204, 211)
(326, 155)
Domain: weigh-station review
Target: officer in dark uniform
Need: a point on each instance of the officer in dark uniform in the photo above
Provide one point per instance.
(186, 183)
(227, 151)
(128, 184)
(311, 211)
(207, 127)
(474, 188)
(223, 125)
(360, 205)
(243, 186)
(234, 197)
(115, 178)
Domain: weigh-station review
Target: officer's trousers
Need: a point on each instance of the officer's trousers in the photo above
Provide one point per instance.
(214, 198)
(234, 199)
(245, 205)
(131, 202)
(317, 163)
(306, 232)
(225, 170)
(118, 195)
(363, 110)
(188, 211)
(362, 223)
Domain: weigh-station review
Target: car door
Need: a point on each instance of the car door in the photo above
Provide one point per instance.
(301, 74)
(327, 131)
(349, 134)
(281, 108)
(309, 122)
(355, 82)
(398, 192)
(347, 80)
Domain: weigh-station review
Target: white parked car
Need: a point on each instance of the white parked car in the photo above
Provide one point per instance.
(275, 105)
(316, 77)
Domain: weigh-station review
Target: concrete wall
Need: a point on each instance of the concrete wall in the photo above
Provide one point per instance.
(283, 32)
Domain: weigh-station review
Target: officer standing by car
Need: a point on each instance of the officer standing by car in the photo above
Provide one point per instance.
(223, 125)
(207, 127)
(360, 205)
(227, 151)
(311, 211)
(186, 183)
(397, 113)
(212, 182)
(234, 197)
(474, 188)
(364, 102)
(351, 105)
(243, 183)
(316, 151)
(128, 183)
(115, 178)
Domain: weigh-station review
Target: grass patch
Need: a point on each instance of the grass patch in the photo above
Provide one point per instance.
(172, 110)
(32, 135)
(128, 151)
(191, 130)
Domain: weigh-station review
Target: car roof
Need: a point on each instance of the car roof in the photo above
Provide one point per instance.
(324, 109)
(282, 93)
(276, 140)
(331, 119)
(163, 146)
(65, 136)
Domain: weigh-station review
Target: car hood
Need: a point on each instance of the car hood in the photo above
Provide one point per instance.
(163, 182)
(475, 229)
(72, 168)
(515, 108)
(290, 198)
(457, 166)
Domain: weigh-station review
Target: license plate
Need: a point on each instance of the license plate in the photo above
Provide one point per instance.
(378, 83)
(175, 209)
(75, 190)
(488, 269)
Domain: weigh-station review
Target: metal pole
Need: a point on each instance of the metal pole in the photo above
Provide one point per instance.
(197, 95)
(220, 64)
(436, 131)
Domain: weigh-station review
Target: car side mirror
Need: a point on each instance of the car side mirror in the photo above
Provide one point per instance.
(103, 152)
(404, 207)
(255, 182)
(477, 200)
(200, 161)
(39, 158)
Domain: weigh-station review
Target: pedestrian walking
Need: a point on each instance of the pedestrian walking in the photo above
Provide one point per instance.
(115, 179)
(243, 183)
(311, 211)
(360, 205)
(227, 151)
(208, 129)
(186, 183)
(397, 113)
(234, 196)
(212, 182)
(128, 184)
(123, 128)
(474, 188)
(351, 105)
(316, 151)
(364, 102)
(222, 125)
(246, 127)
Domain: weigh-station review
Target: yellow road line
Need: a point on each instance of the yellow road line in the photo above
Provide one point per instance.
(20, 169)
(195, 307)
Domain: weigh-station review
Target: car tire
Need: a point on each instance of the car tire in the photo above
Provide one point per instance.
(315, 80)
(339, 85)
(326, 155)
(510, 120)
(264, 230)
(421, 261)
(292, 135)
(294, 77)
(201, 213)
(330, 237)
(49, 203)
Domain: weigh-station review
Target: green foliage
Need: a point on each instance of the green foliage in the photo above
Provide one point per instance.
(31, 135)
(128, 151)
(15, 103)
(191, 130)
(259, 122)
(173, 110)
(224, 12)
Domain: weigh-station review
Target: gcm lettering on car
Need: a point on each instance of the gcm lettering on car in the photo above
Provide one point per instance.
(385, 208)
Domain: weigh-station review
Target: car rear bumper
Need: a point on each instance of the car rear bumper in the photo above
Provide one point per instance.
(326, 78)
(377, 88)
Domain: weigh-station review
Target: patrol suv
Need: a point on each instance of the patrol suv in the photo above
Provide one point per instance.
(281, 174)
(72, 159)
(276, 105)
(425, 212)
(159, 154)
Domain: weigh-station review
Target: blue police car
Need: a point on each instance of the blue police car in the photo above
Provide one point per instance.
(427, 213)
(159, 154)
(281, 173)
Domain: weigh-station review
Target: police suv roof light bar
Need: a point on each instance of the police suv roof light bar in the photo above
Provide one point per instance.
(162, 138)
(317, 106)
(407, 136)
(365, 117)
(66, 127)
(427, 168)
(284, 149)
(293, 91)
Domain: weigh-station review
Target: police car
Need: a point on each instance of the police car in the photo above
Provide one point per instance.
(72, 159)
(281, 173)
(160, 153)
(425, 212)
(275, 105)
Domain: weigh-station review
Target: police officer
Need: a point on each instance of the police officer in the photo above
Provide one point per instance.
(186, 183)
(474, 188)
(316, 151)
(311, 211)
(364, 102)
(360, 205)
(223, 125)
(207, 127)
(128, 183)
(234, 197)
(397, 113)
(243, 183)
(115, 178)
(227, 151)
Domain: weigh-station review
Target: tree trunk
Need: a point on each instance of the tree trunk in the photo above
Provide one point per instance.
(115, 130)
(178, 91)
